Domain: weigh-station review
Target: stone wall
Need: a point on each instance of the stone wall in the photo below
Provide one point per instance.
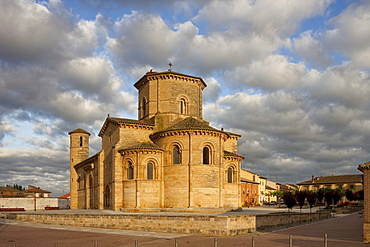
(29, 203)
(219, 225)
(268, 221)
(195, 224)
(348, 209)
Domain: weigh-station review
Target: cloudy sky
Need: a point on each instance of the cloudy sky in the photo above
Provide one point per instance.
(291, 76)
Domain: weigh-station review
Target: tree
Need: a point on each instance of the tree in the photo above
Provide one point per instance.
(278, 195)
(300, 196)
(320, 195)
(329, 195)
(349, 195)
(311, 198)
(361, 195)
(289, 199)
(358, 195)
(16, 186)
(337, 195)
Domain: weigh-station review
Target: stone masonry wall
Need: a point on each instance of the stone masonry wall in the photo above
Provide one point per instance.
(29, 203)
(219, 225)
(267, 221)
(212, 225)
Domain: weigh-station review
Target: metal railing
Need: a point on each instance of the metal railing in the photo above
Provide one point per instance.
(215, 242)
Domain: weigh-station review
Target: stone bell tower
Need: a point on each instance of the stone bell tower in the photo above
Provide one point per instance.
(169, 97)
(79, 151)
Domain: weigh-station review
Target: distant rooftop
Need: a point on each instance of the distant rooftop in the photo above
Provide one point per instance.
(334, 180)
(34, 189)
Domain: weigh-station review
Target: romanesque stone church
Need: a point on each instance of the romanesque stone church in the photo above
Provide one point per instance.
(168, 159)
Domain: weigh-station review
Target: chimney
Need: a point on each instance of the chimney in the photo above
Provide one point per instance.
(313, 179)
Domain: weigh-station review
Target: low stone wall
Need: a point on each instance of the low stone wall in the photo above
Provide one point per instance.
(195, 224)
(218, 225)
(269, 221)
(348, 209)
(29, 203)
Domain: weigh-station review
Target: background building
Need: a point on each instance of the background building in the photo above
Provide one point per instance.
(249, 188)
(37, 192)
(352, 182)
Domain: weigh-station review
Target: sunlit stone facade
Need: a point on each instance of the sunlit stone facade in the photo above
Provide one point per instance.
(170, 158)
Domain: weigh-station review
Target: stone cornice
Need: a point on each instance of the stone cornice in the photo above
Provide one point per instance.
(153, 76)
(125, 123)
(164, 134)
(233, 158)
(141, 151)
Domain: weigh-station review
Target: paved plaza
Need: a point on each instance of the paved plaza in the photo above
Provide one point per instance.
(342, 230)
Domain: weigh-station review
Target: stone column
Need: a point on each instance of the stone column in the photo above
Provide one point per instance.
(365, 168)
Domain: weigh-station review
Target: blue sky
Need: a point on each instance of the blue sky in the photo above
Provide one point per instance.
(292, 77)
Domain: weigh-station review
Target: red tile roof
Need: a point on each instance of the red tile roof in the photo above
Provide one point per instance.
(68, 195)
(334, 180)
(34, 189)
(9, 190)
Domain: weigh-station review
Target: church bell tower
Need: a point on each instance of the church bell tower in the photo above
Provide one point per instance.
(168, 97)
(79, 151)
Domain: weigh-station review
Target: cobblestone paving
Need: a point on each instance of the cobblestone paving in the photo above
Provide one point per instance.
(342, 231)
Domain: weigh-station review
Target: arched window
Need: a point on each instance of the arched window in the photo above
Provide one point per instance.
(206, 155)
(176, 155)
(130, 171)
(229, 175)
(143, 108)
(107, 197)
(91, 188)
(81, 141)
(183, 106)
(149, 171)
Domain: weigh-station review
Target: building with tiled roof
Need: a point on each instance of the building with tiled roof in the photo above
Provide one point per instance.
(11, 192)
(168, 158)
(352, 182)
(288, 187)
(37, 192)
(254, 188)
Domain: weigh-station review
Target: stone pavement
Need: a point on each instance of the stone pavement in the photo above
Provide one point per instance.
(343, 230)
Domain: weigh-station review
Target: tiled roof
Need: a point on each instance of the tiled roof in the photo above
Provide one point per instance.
(89, 160)
(33, 189)
(143, 145)
(68, 195)
(118, 121)
(334, 180)
(126, 120)
(9, 189)
(269, 188)
(191, 123)
(288, 187)
(79, 130)
(232, 134)
(247, 180)
(227, 153)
